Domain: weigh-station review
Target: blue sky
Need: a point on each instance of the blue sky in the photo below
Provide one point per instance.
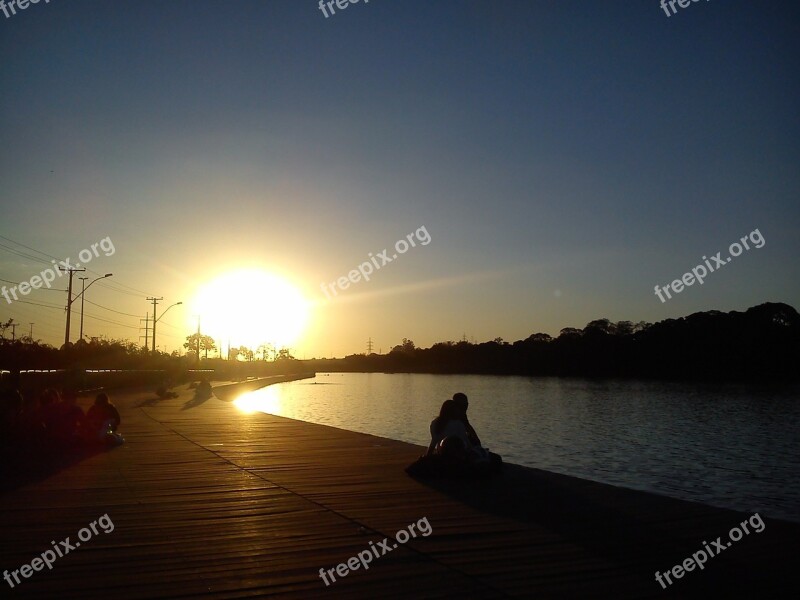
(564, 156)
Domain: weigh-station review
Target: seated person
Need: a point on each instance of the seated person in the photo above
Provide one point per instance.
(455, 448)
(204, 389)
(49, 409)
(449, 434)
(102, 421)
(10, 420)
(70, 419)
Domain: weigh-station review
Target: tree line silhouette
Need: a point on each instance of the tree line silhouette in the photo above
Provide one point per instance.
(762, 343)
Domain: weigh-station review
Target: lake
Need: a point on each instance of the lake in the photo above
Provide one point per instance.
(729, 445)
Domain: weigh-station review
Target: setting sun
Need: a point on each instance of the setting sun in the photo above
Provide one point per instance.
(251, 308)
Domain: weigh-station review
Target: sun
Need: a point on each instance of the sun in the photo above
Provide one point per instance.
(251, 307)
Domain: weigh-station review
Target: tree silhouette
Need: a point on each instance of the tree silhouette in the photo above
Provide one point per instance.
(206, 343)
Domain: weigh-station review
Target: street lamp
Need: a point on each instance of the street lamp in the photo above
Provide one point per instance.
(157, 320)
(83, 291)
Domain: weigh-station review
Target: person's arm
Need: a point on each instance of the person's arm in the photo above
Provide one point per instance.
(473, 437)
(115, 416)
(434, 437)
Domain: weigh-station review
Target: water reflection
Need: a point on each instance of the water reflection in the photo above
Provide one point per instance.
(267, 400)
(735, 446)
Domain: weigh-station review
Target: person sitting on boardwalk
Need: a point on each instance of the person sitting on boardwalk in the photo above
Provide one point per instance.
(204, 389)
(11, 418)
(70, 419)
(449, 426)
(102, 421)
(455, 449)
(49, 409)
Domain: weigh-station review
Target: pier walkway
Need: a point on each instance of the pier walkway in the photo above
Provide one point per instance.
(210, 502)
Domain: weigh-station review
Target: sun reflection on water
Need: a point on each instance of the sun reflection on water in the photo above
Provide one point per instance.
(266, 400)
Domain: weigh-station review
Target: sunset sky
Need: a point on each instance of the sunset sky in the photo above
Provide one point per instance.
(564, 157)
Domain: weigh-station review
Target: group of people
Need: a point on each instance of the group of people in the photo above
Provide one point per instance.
(455, 448)
(38, 426)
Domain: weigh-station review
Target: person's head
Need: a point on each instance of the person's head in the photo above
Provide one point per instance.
(101, 399)
(448, 411)
(49, 396)
(461, 401)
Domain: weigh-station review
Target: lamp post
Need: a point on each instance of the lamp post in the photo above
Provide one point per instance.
(83, 291)
(155, 301)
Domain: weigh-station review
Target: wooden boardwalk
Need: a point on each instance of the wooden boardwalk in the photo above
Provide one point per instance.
(209, 502)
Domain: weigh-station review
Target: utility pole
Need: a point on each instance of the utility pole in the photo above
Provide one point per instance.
(14, 331)
(69, 301)
(369, 346)
(146, 330)
(155, 304)
(198, 340)
(31, 334)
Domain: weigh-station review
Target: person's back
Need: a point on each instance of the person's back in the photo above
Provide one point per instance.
(448, 426)
(50, 409)
(102, 419)
(70, 419)
(462, 403)
(455, 428)
(447, 413)
(10, 420)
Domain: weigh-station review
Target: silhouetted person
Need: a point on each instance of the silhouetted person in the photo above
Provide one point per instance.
(455, 449)
(70, 419)
(49, 408)
(102, 420)
(204, 389)
(449, 425)
(31, 430)
(462, 403)
(10, 420)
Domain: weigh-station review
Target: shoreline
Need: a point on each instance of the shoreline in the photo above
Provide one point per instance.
(653, 478)
(212, 502)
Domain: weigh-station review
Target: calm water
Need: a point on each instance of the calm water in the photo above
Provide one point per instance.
(735, 446)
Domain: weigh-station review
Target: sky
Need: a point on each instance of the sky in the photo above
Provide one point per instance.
(564, 158)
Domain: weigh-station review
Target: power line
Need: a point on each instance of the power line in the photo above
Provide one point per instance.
(40, 304)
(114, 287)
(111, 309)
(23, 255)
(44, 289)
(27, 247)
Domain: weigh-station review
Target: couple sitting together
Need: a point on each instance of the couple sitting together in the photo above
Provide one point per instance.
(455, 447)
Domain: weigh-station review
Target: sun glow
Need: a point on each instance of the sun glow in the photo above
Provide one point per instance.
(266, 400)
(250, 308)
